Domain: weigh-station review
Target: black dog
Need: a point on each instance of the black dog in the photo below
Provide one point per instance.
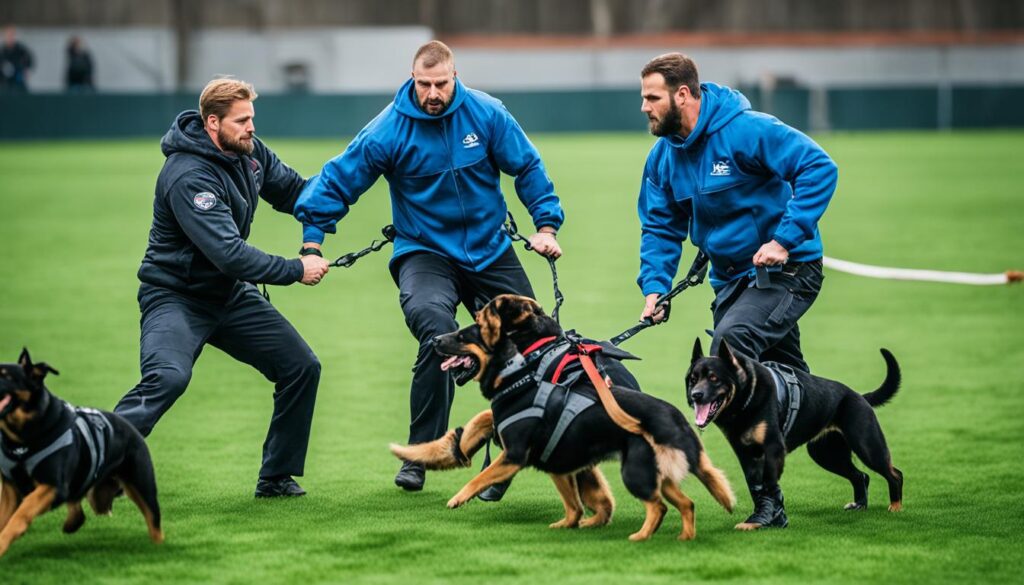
(764, 416)
(565, 426)
(51, 453)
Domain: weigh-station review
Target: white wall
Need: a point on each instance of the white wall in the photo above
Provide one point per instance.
(377, 60)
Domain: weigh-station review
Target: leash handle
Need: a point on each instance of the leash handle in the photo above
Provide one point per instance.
(513, 233)
(694, 277)
(349, 259)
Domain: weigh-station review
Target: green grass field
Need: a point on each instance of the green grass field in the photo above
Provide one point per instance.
(74, 218)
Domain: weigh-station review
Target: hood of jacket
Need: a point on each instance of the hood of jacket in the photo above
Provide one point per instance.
(719, 105)
(188, 135)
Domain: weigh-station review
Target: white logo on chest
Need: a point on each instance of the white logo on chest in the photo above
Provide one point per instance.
(471, 140)
(720, 168)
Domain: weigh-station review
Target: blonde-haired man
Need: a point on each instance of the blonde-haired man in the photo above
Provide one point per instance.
(199, 274)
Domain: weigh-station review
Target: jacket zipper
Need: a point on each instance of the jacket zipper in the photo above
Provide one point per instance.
(458, 192)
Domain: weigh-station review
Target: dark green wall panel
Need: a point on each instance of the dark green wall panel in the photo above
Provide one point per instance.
(48, 116)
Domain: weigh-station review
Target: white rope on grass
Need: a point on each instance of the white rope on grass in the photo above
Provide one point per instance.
(1010, 276)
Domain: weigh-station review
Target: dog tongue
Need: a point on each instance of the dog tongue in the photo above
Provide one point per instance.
(455, 360)
(3, 403)
(701, 413)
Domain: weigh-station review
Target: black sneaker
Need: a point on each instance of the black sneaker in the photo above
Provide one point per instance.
(275, 487)
(411, 477)
(495, 492)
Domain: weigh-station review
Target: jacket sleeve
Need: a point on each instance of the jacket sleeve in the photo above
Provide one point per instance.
(516, 156)
(798, 160)
(198, 203)
(327, 197)
(664, 226)
(281, 184)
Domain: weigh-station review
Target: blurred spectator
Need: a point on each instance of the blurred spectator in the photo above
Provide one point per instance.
(79, 74)
(15, 62)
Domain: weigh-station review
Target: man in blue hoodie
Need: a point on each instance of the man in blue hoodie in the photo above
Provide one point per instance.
(748, 190)
(442, 147)
(198, 277)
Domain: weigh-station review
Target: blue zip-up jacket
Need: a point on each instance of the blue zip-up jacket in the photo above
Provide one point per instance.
(444, 175)
(739, 180)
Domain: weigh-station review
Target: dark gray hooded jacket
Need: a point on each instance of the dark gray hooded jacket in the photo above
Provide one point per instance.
(204, 206)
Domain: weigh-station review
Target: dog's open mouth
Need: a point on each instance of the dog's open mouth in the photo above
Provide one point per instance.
(3, 403)
(703, 414)
(462, 367)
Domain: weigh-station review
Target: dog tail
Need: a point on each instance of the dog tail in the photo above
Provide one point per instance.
(455, 449)
(891, 384)
(715, 481)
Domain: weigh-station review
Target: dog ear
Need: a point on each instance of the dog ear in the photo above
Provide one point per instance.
(490, 322)
(515, 309)
(37, 371)
(25, 360)
(698, 351)
(729, 357)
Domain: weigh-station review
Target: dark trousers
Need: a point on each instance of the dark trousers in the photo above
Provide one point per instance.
(761, 323)
(430, 290)
(175, 327)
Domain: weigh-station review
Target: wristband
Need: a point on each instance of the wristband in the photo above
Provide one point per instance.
(311, 252)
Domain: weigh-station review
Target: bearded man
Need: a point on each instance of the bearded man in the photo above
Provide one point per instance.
(748, 191)
(442, 147)
(198, 277)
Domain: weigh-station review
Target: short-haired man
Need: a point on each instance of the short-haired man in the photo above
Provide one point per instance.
(749, 191)
(198, 277)
(442, 148)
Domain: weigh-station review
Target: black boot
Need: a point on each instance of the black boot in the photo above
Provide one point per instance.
(276, 487)
(496, 491)
(769, 509)
(411, 477)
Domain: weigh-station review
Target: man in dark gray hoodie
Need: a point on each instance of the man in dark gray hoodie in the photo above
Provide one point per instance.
(199, 274)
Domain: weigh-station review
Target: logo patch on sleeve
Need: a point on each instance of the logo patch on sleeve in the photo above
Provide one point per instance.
(205, 201)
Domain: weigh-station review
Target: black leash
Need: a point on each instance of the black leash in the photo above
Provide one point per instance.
(698, 270)
(349, 259)
(513, 233)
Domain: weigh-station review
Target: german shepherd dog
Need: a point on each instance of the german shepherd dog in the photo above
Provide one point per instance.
(655, 458)
(740, 396)
(52, 453)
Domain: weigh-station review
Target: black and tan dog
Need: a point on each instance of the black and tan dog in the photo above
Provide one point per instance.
(563, 428)
(52, 453)
(764, 416)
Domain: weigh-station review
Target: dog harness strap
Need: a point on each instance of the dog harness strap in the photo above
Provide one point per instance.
(576, 404)
(7, 464)
(787, 391)
(87, 437)
(537, 344)
(607, 399)
(554, 353)
(62, 441)
(540, 400)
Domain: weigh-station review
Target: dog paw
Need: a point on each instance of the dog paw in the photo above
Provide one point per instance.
(748, 526)
(896, 507)
(457, 501)
(639, 536)
(595, 522)
(565, 523)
